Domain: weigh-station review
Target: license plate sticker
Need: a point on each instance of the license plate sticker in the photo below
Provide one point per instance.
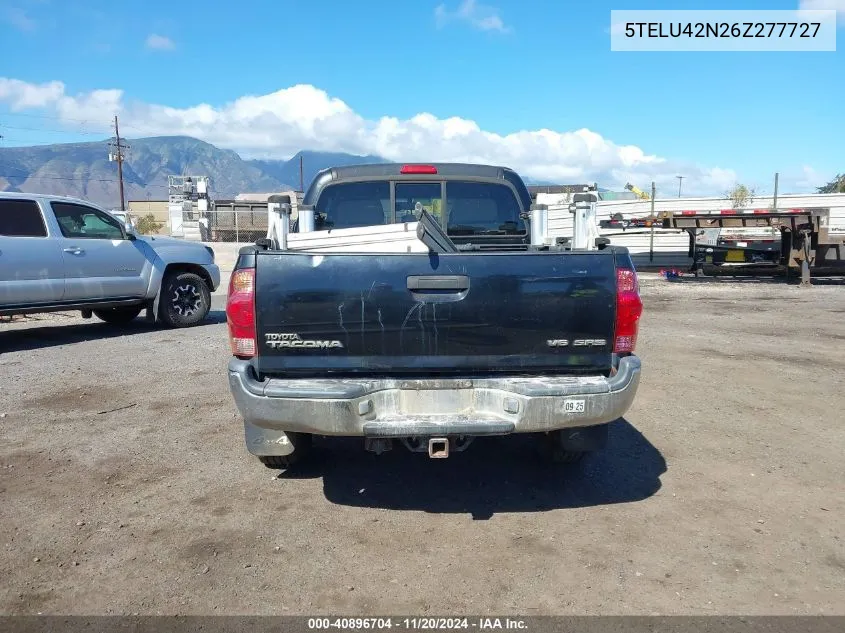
(573, 406)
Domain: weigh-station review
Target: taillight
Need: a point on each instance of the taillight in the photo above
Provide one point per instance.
(629, 307)
(240, 313)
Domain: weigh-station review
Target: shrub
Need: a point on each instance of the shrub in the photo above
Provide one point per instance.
(147, 225)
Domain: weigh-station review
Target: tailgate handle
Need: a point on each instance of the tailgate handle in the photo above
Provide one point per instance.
(456, 283)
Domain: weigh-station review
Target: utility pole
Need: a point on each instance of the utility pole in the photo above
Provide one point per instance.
(680, 181)
(118, 155)
(301, 176)
(775, 200)
(653, 220)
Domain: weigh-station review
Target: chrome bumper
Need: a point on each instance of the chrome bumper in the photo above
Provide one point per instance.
(434, 407)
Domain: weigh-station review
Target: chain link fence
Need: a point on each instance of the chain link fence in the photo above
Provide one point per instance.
(231, 222)
(229, 225)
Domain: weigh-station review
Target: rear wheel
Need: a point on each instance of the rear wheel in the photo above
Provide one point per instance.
(185, 299)
(118, 316)
(302, 450)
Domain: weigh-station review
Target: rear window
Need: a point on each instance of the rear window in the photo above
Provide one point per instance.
(411, 197)
(21, 218)
(471, 208)
(353, 204)
(481, 208)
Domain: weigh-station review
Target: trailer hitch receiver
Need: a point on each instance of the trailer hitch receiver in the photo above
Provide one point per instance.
(438, 447)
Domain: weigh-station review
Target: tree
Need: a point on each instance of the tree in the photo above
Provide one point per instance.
(837, 185)
(741, 196)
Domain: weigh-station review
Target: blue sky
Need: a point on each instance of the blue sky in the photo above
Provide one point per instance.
(508, 66)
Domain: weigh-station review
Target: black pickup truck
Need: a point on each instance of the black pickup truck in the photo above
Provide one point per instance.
(431, 349)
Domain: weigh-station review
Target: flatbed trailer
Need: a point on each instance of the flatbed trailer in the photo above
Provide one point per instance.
(806, 241)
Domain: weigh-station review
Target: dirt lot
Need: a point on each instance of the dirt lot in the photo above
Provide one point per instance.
(125, 486)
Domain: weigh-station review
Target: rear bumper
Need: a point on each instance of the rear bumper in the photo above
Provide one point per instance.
(442, 407)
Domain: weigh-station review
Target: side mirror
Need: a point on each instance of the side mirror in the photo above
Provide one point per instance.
(130, 234)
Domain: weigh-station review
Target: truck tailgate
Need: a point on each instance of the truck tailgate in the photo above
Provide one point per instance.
(415, 313)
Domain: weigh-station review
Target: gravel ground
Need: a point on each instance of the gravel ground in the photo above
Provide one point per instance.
(125, 486)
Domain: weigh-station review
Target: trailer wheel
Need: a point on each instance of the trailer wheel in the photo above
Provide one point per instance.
(302, 451)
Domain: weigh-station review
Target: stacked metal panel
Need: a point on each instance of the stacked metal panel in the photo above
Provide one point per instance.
(389, 238)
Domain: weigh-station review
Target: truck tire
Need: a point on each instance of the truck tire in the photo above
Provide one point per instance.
(302, 450)
(118, 316)
(185, 299)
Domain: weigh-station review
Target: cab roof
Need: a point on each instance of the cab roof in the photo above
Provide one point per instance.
(391, 171)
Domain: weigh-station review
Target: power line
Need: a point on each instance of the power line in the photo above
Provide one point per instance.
(57, 118)
(134, 127)
(80, 179)
(47, 116)
(29, 142)
(42, 129)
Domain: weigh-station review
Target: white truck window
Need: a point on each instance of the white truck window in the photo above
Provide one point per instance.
(80, 222)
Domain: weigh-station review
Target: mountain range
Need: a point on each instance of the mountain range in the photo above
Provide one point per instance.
(83, 170)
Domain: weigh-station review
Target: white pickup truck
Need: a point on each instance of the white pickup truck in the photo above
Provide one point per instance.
(60, 254)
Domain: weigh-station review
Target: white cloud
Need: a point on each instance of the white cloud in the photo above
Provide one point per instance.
(20, 95)
(803, 180)
(159, 43)
(278, 124)
(820, 5)
(19, 19)
(479, 16)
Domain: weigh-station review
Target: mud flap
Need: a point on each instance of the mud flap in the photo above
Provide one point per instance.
(583, 439)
